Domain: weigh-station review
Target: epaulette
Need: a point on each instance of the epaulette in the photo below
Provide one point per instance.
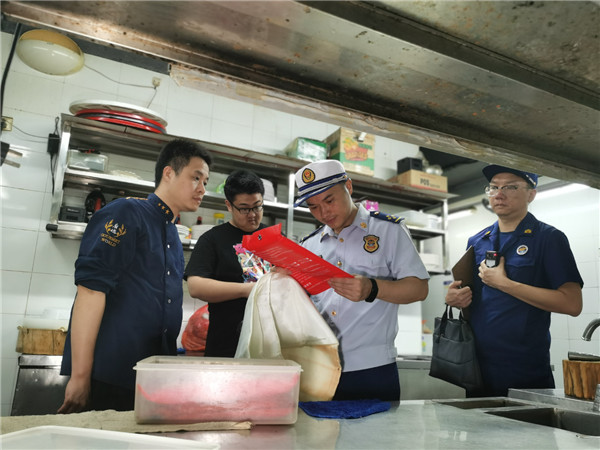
(387, 217)
(311, 234)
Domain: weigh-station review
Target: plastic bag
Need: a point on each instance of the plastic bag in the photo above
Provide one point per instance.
(193, 338)
(281, 322)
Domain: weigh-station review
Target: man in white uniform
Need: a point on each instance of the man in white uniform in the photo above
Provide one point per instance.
(362, 311)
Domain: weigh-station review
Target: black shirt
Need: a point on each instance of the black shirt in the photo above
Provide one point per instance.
(215, 257)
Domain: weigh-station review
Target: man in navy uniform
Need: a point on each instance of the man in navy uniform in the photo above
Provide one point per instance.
(129, 277)
(362, 311)
(510, 304)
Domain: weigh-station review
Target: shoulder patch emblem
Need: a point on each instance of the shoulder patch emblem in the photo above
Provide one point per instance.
(311, 234)
(308, 176)
(113, 232)
(371, 243)
(386, 217)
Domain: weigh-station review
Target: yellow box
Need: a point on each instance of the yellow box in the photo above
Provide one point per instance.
(354, 149)
(422, 180)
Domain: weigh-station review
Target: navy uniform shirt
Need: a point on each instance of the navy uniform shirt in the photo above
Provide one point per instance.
(513, 337)
(131, 251)
(374, 248)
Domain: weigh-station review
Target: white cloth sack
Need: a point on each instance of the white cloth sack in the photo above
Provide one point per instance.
(281, 322)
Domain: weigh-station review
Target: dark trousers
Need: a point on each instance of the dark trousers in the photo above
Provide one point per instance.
(375, 383)
(107, 396)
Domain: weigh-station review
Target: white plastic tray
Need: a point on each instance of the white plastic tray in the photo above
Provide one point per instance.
(66, 438)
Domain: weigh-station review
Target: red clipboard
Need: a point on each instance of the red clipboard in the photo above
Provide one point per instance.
(308, 269)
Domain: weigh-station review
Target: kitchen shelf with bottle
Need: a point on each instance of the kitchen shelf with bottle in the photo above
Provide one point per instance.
(107, 138)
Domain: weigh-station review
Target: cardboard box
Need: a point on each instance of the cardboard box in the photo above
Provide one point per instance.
(422, 180)
(190, 389)
(354, 149)
(406, 164)
(307, 149)
(34, 341)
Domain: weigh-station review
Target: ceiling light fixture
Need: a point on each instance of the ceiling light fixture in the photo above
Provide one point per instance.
(566, 189)
(462, 213)
(50, 52)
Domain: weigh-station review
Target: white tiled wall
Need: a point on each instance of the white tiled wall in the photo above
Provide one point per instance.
(37, 270)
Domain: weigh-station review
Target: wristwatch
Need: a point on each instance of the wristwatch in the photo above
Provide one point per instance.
(374, 291)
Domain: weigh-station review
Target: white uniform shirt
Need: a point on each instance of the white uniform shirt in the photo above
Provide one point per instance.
(373, 247)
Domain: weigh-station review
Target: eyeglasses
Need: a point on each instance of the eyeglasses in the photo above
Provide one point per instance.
(492, 191)
(246, 211)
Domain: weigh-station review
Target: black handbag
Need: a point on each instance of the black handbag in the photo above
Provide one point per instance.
(453, 355)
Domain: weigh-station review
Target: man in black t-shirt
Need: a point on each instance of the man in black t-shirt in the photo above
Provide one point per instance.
(220, 271)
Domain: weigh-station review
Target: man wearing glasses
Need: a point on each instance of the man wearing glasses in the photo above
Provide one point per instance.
(216, 270)
(512, 298)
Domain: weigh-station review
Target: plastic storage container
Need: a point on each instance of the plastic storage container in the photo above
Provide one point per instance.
(189, 389)
(87, 161)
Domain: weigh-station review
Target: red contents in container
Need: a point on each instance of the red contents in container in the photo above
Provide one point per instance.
(223, 400)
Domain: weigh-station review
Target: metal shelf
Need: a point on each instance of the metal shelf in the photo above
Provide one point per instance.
(85, 134)
(110, 138)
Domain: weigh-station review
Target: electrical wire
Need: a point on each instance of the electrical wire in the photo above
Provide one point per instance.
(118, 82)
(29, 134)
(7, 68)
(127, 84)
(54, 157)
(153, 95)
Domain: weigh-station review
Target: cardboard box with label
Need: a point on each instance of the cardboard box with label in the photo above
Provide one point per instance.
(354, 149)
(422, 180)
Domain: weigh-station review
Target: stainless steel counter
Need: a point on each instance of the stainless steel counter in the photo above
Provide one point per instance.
(554, 397)
(418, 424)
(40, 389)
(416, 384)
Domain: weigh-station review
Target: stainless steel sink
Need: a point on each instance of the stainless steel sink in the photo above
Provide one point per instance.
(415, 357)
(476, 403)
(575, 421)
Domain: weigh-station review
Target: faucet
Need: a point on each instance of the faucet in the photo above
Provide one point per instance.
(589, 329)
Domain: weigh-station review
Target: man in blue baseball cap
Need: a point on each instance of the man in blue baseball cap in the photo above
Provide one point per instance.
(362, 311)
(512, 297)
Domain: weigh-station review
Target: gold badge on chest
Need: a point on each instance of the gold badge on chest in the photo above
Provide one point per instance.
(371, 243)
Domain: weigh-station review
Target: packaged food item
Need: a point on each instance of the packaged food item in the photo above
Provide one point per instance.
(219, 218)
(307, 149)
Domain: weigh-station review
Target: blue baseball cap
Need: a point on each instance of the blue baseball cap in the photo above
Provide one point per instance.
(317, 177)
(493, 169)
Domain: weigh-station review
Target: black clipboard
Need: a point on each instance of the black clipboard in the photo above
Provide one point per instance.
(463, 269)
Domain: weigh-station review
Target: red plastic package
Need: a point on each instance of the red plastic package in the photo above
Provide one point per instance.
(193, 338)
(308, 269)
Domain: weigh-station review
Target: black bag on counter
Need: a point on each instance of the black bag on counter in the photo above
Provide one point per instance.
(453, 355)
